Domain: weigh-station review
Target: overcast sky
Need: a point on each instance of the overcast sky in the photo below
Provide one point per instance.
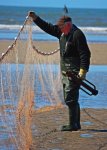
(57, 3)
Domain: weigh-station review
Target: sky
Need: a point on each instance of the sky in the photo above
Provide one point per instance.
(57, 3)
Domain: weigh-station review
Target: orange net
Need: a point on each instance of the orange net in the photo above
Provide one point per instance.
(29, 80)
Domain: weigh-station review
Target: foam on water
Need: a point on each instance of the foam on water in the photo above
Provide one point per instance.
(94, 30)
(93, 34)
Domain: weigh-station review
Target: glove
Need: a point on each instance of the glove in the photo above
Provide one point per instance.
(82, 74)
(32, 15)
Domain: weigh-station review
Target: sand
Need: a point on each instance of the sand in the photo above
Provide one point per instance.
(47, 123)
(48, 136)
(98, 50)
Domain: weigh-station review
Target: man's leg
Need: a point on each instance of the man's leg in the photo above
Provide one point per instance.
(74, 119)
(71, 95)
(78, 116)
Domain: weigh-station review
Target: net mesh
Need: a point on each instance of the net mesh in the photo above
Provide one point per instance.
(29, 80)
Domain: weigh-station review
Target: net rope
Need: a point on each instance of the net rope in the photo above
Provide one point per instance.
(28, 81)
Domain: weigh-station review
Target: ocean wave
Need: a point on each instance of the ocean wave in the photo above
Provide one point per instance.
(94, 30)
(10, 27)
(17, 27)
(99, 30)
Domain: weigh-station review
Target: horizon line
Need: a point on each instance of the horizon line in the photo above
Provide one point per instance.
(51, 7)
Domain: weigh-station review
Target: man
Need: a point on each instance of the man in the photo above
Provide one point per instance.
(74, 56)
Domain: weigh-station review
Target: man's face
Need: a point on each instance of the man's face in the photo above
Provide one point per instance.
(66, 28)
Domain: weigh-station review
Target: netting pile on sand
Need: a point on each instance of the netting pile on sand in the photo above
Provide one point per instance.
(29, 79)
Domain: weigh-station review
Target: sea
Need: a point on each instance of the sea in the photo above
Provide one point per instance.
(93, 22)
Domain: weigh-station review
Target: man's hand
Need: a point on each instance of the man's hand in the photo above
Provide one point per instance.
(82, 74)
(32, 15)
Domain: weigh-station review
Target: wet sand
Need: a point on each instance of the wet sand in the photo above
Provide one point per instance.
(48, 136)
(98, 50)
(47, 123)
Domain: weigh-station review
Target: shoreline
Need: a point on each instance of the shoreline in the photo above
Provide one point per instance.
(98, 50)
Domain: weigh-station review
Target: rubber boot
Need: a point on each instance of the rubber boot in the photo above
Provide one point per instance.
(72, 120)
(78, 117)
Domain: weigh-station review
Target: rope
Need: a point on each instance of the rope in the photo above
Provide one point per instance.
(45, 53)
(16, 38)
(96, 120)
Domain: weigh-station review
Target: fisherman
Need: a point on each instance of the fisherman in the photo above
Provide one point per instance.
(74, 56)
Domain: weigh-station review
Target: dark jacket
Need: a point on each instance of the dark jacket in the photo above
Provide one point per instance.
(76, 42)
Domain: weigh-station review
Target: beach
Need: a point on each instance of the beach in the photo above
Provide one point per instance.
(47, 134)
(47, 122)
(98, 50)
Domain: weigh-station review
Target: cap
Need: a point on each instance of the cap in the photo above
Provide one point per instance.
(63, 19)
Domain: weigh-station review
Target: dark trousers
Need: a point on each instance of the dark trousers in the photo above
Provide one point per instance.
(71, 90)
(71, 96)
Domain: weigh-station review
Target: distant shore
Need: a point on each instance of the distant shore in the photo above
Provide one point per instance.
(98, 50)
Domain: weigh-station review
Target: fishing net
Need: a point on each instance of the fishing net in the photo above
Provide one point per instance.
(29, 80)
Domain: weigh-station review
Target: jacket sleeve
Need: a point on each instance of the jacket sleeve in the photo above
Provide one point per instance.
(83, 50)
(48, 27)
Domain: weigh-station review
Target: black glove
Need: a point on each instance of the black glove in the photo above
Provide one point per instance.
(32, 14)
